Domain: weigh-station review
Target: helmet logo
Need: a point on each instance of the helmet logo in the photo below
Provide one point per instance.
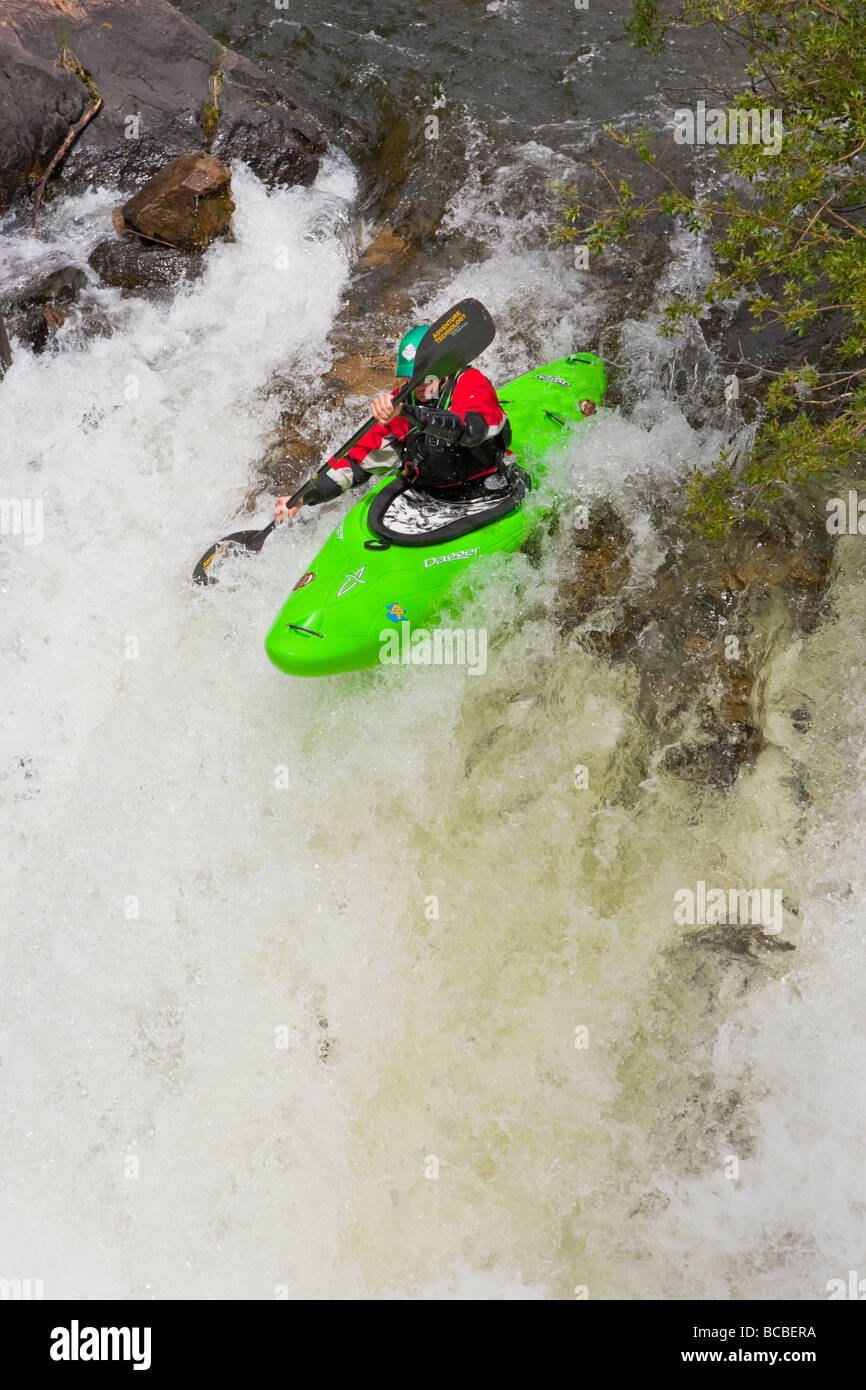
(409, 351)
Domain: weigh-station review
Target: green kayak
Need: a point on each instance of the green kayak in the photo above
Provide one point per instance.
(396, 555)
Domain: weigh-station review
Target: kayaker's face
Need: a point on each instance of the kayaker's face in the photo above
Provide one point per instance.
(422, 392)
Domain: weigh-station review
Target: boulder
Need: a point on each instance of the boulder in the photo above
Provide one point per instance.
(38, 105)
(186, 205)
(133, 265)
(39, 310)
(385, 248)
(34, 313)
(37, 325)
(168, 90)
(60, 287)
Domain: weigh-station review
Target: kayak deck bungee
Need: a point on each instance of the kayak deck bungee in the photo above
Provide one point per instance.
(364, 583)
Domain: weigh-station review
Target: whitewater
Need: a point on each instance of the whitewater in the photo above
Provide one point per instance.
(348, 988)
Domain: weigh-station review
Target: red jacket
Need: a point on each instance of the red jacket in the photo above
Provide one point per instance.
(378, 451)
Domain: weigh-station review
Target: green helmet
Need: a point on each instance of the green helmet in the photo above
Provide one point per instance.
(407, 349)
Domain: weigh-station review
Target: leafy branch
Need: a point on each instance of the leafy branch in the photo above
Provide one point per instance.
(787, 230)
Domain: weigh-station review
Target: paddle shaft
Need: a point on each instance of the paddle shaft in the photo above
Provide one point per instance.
(368, 424)
(298, 496)
(455, 339)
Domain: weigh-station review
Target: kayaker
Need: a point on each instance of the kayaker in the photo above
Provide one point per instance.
(449, 438)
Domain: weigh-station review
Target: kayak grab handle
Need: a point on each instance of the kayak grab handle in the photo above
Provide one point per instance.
(309, 631)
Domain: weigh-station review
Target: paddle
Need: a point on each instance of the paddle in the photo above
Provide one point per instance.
(452, 342)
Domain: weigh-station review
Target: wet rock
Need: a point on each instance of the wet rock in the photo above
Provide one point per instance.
(168, 90)
(743, 344)
(38, 312)
(700, 691)
(365, 373)
(5, 349)
(92, 322)
(296, 448)
(35, 327)
(60, 287)
(734, 939)
(598, 565)
(629, 272)
(410, 181)
(756, 558)
(705, 705)
(385, 248)
(136, 266)
(186, 205)
(717, 713)
(38, 105)
(54, 318)
(293, 454)
(40, 309)
(40, 327)
(715, 754)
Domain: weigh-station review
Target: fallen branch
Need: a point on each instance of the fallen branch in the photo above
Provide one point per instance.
(73, 134)
(129, 232)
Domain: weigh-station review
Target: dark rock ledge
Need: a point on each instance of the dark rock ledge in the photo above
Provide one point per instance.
(168, 90)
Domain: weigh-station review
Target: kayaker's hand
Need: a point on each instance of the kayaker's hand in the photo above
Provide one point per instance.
(384, 409)
(444, 424)
(281, 510)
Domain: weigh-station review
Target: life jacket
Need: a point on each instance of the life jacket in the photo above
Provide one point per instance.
(457, 469)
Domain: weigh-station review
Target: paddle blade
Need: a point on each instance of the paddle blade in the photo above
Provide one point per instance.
(205, 571)
(454, 340)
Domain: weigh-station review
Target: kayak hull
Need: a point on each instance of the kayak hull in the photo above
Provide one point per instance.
(349, 610)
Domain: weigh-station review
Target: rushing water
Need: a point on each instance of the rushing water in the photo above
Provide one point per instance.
(295, 974)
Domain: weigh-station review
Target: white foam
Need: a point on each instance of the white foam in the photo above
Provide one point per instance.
(428, 910)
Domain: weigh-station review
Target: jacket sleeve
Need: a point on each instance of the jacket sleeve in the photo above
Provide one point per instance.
(377, 452)
(475, 414)
(476, 402)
